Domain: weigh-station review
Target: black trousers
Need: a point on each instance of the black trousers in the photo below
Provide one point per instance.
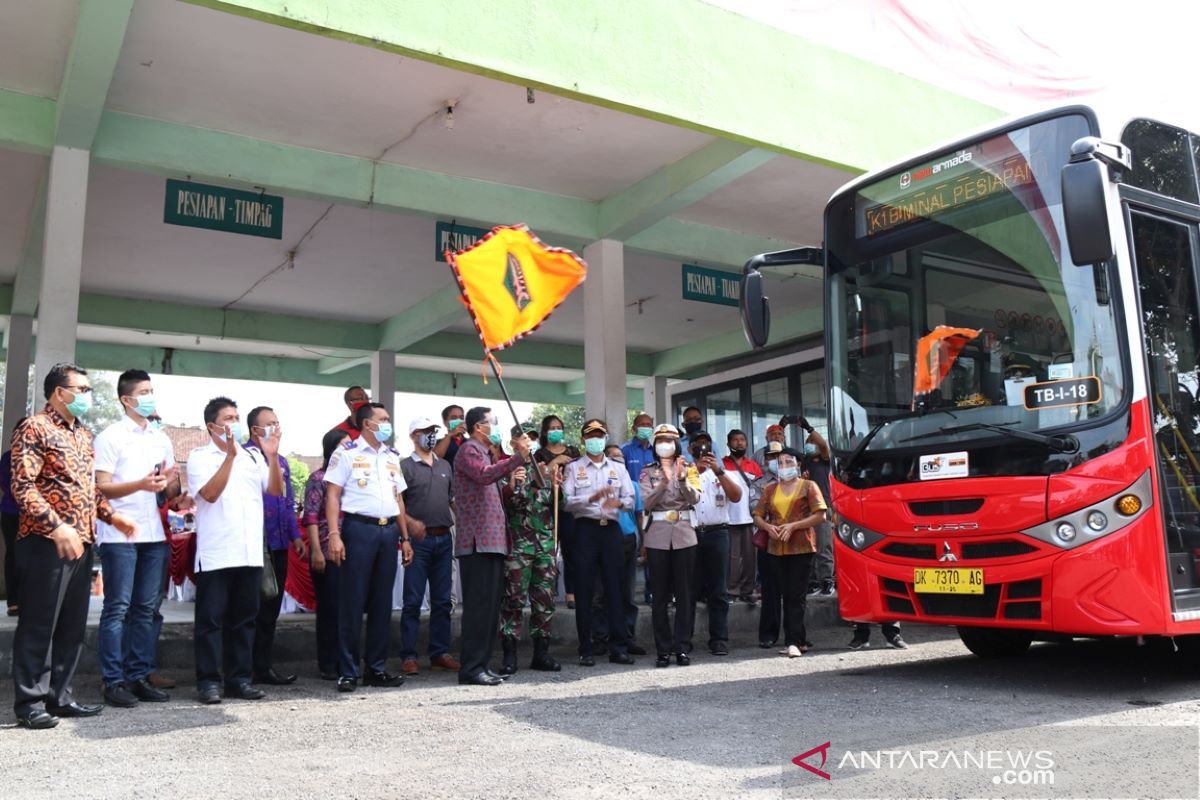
(672, 572)
(9, 523)
(629, 608)
(49, 637)
(770, 614)
(226, 605)
(599, 550)
(325, 584)
(791, 575)
(365, 585)
(482, 576)
(268, 615)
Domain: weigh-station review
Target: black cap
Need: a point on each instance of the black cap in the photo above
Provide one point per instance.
(517, 430)
(700, 435)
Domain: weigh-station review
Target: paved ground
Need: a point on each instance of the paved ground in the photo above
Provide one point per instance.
(720, 728)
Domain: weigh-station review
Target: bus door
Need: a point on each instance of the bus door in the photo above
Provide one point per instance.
(1165, 248)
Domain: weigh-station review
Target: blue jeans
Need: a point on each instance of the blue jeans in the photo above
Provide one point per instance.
(133, 579)
(433, 562)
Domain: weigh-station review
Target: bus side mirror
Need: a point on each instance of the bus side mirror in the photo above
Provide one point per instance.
(756, 309)
(1084, 196)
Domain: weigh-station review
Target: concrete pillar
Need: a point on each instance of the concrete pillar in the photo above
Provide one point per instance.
(604, 335)
(62, 258)
(654, 391)
(16, 372)
(383, 384)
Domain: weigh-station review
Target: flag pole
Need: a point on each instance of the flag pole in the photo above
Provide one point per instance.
(537, 474)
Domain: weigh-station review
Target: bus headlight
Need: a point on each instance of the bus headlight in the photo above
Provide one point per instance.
(856, 536)
(859, 540)
(1129, 504)
(844, 532)
(1065, 531)
(1097, 521)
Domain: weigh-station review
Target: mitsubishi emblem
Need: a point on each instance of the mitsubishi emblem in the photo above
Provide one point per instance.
(947, 555)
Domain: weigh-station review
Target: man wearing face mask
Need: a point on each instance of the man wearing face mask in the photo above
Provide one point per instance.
(482, 540)
(135, 466)
(447, 445)
(775, 434)
(742, 555)
(428, 496)
(364, 508)
(355, 398)
(693, 423)
(282, 531)
(815, 467)
(229, 549)
(55, 489)
(596, 489)
(711, 523)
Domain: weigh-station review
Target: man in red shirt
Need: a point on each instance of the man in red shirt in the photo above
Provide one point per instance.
(355, 398)
(743, 561)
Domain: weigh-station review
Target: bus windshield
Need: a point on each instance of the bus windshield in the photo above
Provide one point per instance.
(955, 313)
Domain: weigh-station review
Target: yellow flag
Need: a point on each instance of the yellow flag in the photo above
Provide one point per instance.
(510, 282)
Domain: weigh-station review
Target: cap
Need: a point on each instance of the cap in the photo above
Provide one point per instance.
(700, 435)
(594, 425)
(775, 429)
(517, 430)
(666, 430)
(422, 423)
(774, 448)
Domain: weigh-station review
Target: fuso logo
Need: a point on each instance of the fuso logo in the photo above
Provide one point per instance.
(823, 749)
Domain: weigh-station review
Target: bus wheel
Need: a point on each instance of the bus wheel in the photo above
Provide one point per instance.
(995, 642)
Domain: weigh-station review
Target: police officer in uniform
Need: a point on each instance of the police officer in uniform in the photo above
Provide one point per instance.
(364, 483)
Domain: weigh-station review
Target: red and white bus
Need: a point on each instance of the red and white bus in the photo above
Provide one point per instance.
(1013, 354)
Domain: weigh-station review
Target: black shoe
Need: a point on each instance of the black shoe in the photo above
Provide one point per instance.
(74, 710)
(148, 692)
(118, 694)
(683, 659)
(273, 678)
(636, 650)
(479, 679)
(508, 665)
(542, 660)
(209, 695)
(243, 691)
(767, 644)
(827, 589)
(663, 661)
(587, 661)
(328, 675)
(383, 679)
(345, 684)
(621, 658)
(719, 649)
(813, 589)
(860, 642)
(498, 676)
(36, 720)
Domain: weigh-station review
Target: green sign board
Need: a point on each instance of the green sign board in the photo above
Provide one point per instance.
(198, 205)
(455, 237)
(711, 285)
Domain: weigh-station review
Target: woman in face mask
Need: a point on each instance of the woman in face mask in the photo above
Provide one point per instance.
(789, 511)
(555, 452)
(669, 489)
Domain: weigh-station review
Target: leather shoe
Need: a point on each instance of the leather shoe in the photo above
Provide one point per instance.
(273, 678)
(144, 690)
(74, 710)
(445, 661)
(683, 659)
(382, 679)
(637, 650)
(409, 667)
(621, 658)
(244, 691)
(499, 675)
(209, 695)
(36, 720)
(119, 695)
(345, 684)
(662, 661)
(161, 681)
(587, 661)
(483, 678)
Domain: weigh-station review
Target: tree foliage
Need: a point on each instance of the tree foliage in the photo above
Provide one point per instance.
(573, 418)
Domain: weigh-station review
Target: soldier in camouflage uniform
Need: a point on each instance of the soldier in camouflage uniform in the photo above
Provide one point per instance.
(530, 569)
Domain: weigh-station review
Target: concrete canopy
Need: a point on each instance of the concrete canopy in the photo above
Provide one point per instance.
(349, 121)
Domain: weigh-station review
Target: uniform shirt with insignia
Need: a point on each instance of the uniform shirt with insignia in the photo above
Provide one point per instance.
(370, 478)
(583, 477)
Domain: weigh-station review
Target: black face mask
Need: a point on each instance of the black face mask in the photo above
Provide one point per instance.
(691, 427)
(737, 452)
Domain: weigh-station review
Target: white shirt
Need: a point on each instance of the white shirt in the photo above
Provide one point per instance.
(370, 479)
(583, 477)
(130, 452)
(713, 508)
(229, 532)
(739, 512)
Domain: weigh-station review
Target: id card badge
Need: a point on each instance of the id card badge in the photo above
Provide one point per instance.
(721, 500)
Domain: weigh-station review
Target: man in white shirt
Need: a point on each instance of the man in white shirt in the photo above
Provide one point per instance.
(229, 481)
(711, 517)
(135, 467)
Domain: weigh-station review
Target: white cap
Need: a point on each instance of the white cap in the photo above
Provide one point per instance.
(422, 423)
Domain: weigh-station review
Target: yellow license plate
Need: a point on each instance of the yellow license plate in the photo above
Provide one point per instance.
(948, 580)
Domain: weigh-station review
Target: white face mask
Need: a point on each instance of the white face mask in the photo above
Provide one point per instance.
(664, 449)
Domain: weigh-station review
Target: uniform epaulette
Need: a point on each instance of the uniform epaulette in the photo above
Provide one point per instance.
(349, 444)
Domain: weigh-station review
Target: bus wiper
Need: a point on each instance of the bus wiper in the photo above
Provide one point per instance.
(1057, 444)
(866, 440)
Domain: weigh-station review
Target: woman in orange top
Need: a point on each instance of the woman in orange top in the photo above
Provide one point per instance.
(789, 511)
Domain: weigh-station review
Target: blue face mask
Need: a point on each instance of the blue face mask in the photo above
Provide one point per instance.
(810, 449)
(554, 437)
(788, 473)
(234, 427)
(81, 404)
(384, 433)
(773, 467)
(644, 433)
(595, 446)
(146, 405)
(495, 438)
(454, 423)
